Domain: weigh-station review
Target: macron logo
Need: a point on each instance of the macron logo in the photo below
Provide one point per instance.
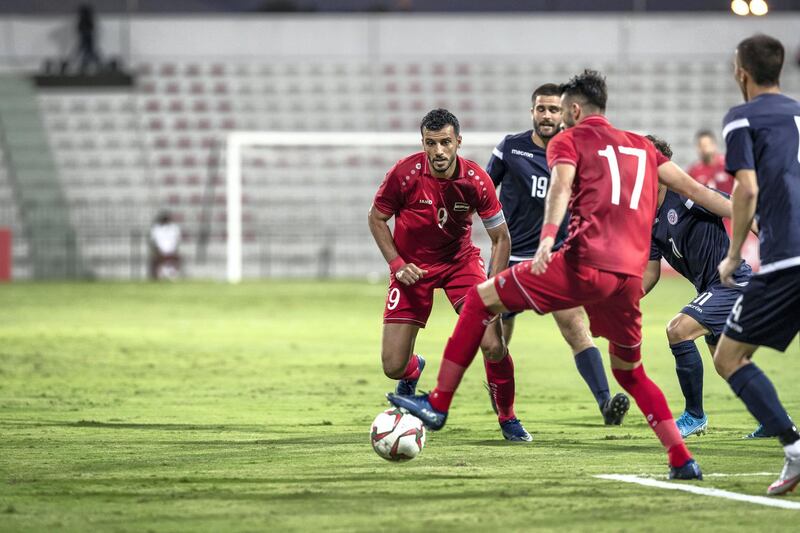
(514, 151)
(426, 202)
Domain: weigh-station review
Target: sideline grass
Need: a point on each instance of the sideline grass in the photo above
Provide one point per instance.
(204, 407)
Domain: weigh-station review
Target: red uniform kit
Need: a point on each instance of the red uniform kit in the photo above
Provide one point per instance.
(713, 174)
(612, 208)
(433, 229)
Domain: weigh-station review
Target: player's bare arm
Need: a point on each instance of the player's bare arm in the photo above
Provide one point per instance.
(682, 183)
(744, 200)
(651, 275)
(501, 247)
(406, 273)
(555, 208)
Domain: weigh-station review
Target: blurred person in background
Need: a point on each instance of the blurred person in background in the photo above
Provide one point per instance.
(165, 239)
(710, 167)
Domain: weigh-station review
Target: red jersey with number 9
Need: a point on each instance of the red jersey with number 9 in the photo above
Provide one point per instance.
(433, 216)
(614, 194)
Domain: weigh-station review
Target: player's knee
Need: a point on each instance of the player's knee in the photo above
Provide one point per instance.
(678, 330)
(493, 351)
(725, 364)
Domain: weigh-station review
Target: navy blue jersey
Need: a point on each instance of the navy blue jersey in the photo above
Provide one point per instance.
(693, 241)
(520, 168)
(764, 135)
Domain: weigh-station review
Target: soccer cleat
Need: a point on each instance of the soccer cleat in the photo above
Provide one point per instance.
(759, 433)
(790, 476)
(514, 431)
(614, 409)
(407, 387)
(420, 407)
(691, 470)
(691, 425)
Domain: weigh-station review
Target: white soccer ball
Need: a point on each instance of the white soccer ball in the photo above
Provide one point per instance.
(397, 436)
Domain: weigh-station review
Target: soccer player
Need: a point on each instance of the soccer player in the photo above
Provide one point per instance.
(693, 241)
(433, 195)
(762, 137)
(519, 167)
(609, 178)
(710, 168)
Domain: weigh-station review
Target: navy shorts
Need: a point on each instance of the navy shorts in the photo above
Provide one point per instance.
(768, 311)
(712, 307)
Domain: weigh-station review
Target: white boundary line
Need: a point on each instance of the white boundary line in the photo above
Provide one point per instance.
(705, 491)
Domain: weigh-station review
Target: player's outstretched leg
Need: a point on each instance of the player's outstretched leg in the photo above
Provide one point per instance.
(627, 368)
(458, 355)
(407, 385)
(748, 382)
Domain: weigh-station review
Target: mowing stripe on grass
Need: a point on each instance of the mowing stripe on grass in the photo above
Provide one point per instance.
(705, 491)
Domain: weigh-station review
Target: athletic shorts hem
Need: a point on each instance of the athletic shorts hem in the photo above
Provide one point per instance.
(396, 320)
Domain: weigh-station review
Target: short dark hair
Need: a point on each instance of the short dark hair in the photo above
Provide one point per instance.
(438, 119)
(762, 57)
(661, 145)
(548, 89)
(590, 86)
(705, 133)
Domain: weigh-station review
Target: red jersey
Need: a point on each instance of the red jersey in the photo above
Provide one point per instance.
(614, 194)
(433, 216)
(713, 175)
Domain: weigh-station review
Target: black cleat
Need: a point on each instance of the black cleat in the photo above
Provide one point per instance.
(615, 408)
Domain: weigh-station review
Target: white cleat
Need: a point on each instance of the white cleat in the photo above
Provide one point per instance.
(790, 476)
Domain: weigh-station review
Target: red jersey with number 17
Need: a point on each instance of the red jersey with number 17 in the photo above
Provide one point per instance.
(614, 194)
(433, 216)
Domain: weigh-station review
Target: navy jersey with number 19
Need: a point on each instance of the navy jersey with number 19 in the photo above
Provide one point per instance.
(519, 168)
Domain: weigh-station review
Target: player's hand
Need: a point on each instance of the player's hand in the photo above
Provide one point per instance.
(409, 274)
(726, 269)
(543, 256)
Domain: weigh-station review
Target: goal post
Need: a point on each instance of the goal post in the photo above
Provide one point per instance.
(480, 144)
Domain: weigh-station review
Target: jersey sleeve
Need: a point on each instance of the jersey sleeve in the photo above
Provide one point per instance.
(489, 208)
(655, 253)
(561, 150)
(660, 158)
(389, 198)
(739, 144)
(497, 166)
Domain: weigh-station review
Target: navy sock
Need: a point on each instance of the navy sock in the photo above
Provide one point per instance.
(590, 367)
(689, 367)
(759, 395)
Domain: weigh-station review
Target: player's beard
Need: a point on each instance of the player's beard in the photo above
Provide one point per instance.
(450, 161)
(537, 127)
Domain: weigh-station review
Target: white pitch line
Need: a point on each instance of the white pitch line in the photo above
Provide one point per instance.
(715, 474)
(705, 491)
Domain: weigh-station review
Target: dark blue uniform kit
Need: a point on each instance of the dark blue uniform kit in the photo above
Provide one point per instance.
(521, 168)
(764, 135)
(693, 241)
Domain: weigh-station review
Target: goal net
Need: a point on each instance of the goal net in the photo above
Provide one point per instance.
(297, 202)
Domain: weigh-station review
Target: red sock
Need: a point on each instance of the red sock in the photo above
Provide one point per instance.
(653, 405)
(500, 375)
(412, 368)
(460, 350)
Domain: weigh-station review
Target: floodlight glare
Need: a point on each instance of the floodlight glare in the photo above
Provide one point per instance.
(758, 7)
(740, 8)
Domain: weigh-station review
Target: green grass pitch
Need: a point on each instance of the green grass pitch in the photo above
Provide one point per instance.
(207, 407)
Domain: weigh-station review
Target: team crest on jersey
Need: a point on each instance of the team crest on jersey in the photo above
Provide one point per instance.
(672, 217)
(460, 206)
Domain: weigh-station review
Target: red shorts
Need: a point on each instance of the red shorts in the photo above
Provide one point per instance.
(611, 300)
(411, 304)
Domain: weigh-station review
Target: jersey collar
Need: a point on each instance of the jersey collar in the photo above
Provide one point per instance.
(596, 120)
(462, 168)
